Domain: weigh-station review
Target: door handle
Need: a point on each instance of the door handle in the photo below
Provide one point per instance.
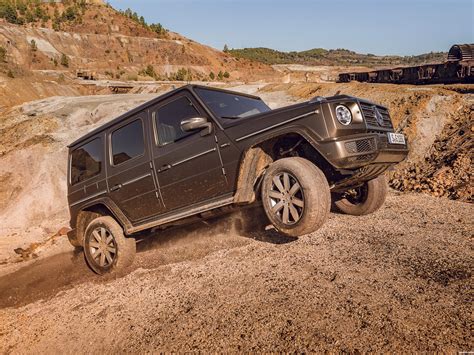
(116, 187)
(164, 168)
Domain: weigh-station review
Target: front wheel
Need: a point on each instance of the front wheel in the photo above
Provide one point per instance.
(295, 196)
(106, 248)
(364, 199)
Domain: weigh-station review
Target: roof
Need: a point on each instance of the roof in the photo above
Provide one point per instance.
(144, 106)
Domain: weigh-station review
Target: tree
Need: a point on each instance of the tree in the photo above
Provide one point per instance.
(64, 60)
(158, 29)
(150, 71)
(70, 14)
(3, 55)
(220, 76)
(226, 49)
(8, 12)
(226, 75)
(212, 76)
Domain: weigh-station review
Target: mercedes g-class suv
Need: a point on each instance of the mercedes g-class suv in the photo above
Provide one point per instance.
(195, 151)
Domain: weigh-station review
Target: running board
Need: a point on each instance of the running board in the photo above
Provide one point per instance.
(180, 215)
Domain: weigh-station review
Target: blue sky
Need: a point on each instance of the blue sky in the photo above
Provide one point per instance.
(402, 27)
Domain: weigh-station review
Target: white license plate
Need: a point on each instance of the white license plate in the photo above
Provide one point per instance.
(396, 138)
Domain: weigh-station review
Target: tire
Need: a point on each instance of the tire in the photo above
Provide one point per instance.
(295, 210)
(118, 252)
(367, 199)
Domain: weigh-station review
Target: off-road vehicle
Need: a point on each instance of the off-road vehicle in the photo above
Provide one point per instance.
(196, 151)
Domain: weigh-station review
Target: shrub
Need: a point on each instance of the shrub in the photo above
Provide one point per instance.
(70, 14)
(226, 75)
(64, 60)
(212, 76)
(33, 46)
(148, 71)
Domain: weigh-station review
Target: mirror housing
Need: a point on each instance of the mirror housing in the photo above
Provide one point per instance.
(196, 123)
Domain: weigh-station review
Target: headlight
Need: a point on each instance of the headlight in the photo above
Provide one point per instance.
(344, 115)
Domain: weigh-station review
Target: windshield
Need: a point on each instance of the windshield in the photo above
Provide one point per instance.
(231, 106)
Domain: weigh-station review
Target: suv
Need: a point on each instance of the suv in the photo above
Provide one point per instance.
(195, 151)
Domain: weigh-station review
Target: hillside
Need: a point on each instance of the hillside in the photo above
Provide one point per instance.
(78, 35)
(320, 56)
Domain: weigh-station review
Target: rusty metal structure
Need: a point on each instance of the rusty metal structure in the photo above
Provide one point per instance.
(459, 68)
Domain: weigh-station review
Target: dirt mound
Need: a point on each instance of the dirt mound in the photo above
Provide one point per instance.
(447, 169)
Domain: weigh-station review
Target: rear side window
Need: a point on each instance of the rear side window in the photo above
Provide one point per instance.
(86, 161)
(168, 120)
(127, 142)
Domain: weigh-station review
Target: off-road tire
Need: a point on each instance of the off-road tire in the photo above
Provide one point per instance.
(373, 194)
(314, 192)
(125, 248)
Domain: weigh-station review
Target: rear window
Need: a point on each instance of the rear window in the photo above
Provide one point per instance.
(86, 161)
(127, 142)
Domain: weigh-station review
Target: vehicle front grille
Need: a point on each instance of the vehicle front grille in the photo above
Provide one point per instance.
(360, 146)
(369, 115)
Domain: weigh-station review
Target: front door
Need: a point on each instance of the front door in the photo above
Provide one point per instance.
(131, 181)
(188, 165)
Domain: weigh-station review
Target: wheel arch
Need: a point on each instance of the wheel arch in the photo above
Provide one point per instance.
(270, 148)
(94, 209)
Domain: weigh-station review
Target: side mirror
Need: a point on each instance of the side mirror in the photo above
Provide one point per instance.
(195, 123)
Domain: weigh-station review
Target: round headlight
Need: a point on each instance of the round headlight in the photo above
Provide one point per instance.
(344, 115)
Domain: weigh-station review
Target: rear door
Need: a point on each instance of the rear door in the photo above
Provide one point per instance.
(131, 180)
(188, 164)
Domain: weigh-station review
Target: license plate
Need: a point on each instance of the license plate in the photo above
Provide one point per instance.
(396, 138)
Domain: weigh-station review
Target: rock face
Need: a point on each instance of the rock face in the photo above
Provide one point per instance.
(119, 56)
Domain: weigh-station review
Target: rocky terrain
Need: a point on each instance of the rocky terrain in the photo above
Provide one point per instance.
(399, 280)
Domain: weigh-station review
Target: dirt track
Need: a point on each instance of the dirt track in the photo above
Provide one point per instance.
(399, 280)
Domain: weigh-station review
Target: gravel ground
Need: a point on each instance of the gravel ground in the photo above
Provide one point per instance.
(399, 280)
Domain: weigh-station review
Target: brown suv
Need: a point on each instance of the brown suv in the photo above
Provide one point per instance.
(198, 149)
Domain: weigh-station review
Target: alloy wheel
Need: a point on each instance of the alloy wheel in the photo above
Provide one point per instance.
(286, 198)
(102, 247)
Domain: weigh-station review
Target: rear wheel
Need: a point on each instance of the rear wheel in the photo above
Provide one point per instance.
(106, 248)
(295, 196)
(364, 199)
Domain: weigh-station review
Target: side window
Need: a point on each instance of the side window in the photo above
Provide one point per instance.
(86, 161)
(127, 142)
(168, 120)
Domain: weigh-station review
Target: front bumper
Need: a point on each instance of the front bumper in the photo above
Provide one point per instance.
(363, 149)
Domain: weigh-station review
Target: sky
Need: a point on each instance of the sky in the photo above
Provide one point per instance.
(402, 27)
